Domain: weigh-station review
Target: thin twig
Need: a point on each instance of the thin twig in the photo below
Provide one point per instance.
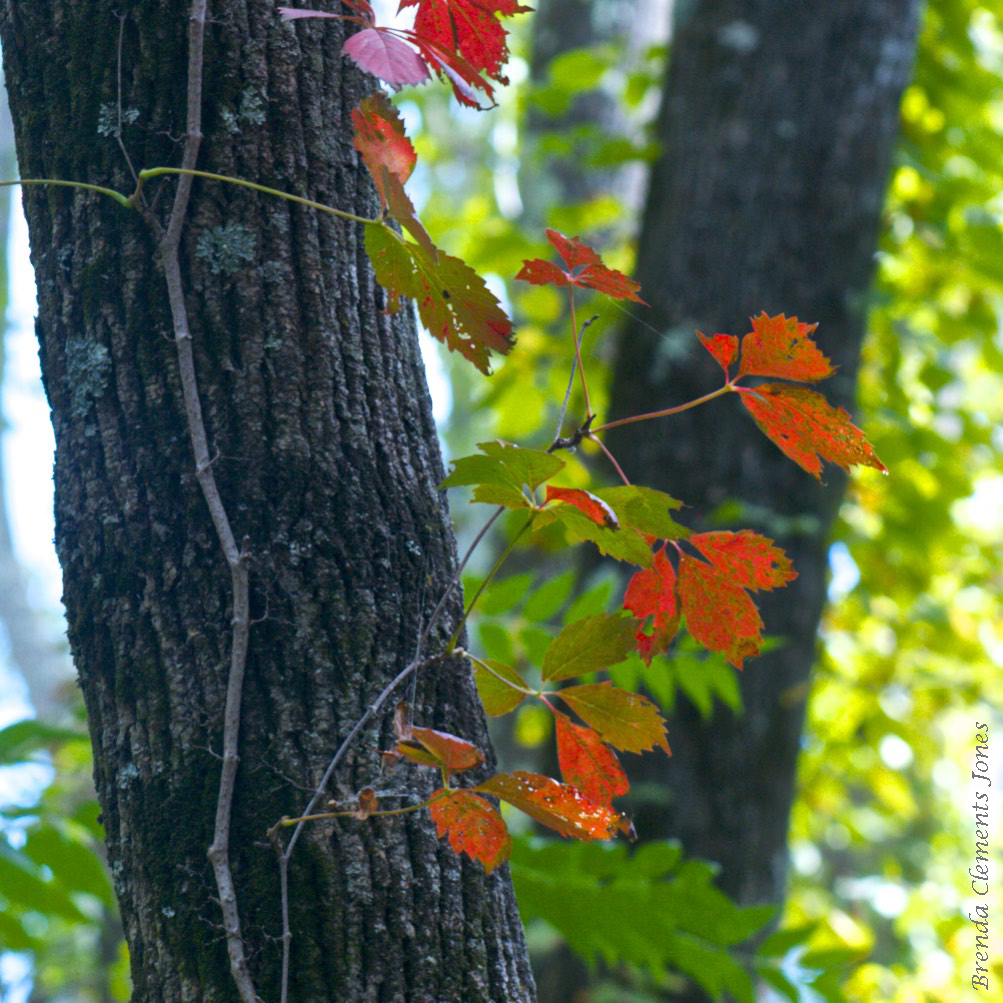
(611, 458)
(170, 242)
(118, 134)
(665, 412)
(571, 379)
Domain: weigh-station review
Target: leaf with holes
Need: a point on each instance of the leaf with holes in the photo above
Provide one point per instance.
(453, 301)
(589, 645)
(807, 428)
(560, 807)
(496, 684)
(472, 825)
(588, 763)
(585, 268)
(627, 721)
(593, 507)
(501, 473)
(781, 346)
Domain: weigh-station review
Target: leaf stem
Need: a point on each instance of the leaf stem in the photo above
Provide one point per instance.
(487, 581)
(153, 172)
(286, 822)
(110, 192)
(729, 386)
(612, 459)
(487, 668)
(578, 349)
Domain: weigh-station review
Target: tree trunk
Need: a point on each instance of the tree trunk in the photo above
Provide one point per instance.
(778, 123)
(327, 462)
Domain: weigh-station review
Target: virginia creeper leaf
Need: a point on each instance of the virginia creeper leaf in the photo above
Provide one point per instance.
(588, 645)
(472, 825)
(724, 348)
(500, 472)
(402, 209)
(627, 721)
(496, 695)
(453, 301)
(653, 593)
(645, 510)
(623, 545)
(594, 508)
(748, 559)
(802, 423)
(469, 28)
(584, 268)
(379, 138)
(386, 56)
(560, 807)
(588, 763)
(781, 346)
(452, 752)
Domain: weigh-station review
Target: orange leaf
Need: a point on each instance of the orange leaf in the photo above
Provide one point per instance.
(584, 268)
(379, 137)
(595, 508)
(473, 826)
(588, 763)
(781, 346)
(723, 347)
(366, 803)
(628, 721)
(653, 593)
(748, 559)
(454, 753)
(560, 807)
(802, 423)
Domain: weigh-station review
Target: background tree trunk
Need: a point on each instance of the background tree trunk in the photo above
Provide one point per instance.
(327, 461)
(778, 123)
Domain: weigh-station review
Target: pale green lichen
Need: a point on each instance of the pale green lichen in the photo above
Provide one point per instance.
(88, 367)
(108, 119)
(225, 248)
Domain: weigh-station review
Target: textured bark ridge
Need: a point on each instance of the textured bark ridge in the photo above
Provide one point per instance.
(327, 462)
(778, 123)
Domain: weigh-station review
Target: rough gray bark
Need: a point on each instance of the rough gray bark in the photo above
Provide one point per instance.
(778, 121)
(327, 462)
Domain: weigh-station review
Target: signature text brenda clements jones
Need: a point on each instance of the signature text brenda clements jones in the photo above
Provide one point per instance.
(980, 872)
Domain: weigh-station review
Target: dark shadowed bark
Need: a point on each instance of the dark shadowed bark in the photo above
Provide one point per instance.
(778, 123)
(327, 462)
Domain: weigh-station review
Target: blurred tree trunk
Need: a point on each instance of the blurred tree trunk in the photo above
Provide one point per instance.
(327, 461)
(778, 123)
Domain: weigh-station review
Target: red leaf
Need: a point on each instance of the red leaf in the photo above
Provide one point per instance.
(379, 137)
(748, 559)
(473, 826)
(584, 268)
(468, 27)
(454, 753)
(653, 593)
(780, 346)
(723, 347)
(588, 763)
(628, 721)
(595, 508)
(386, 56)
(402, 210)
(560, 807)
(802, 423)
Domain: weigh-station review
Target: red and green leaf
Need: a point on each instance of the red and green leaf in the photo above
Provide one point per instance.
(622, 545)
(584, 267)
(589, 645)
(627, 721)
(781, 346)
(496, 686)
(592, 506)
(380, 139)
(453, 301)
(453, 753)
(472, 825)
(587, 763)
(807, 428)
(724, 348)
(559, 807)
(645, 510)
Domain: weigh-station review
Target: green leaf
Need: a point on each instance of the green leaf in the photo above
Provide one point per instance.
(20, 739)
(23, 884)
(628, 721)
(645, 510)
(621, 544)
(495, 693)
(453, 301)
(545, 601)
(589, 645)
(500, 472)
(503, 596)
